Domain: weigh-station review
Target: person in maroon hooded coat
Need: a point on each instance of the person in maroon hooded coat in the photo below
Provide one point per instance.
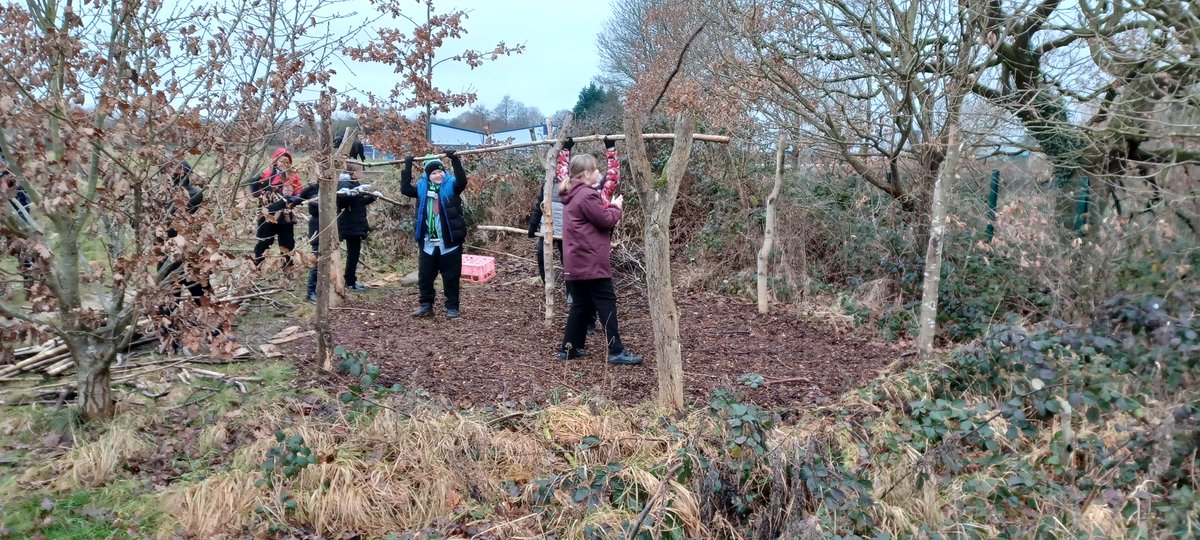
(588, 222)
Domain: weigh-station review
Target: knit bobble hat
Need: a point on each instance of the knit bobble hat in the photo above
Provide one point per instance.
(434, 165)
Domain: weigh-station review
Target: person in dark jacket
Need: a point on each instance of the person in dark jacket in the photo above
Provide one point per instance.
(21, 206)
(352, 226)
(588, 222)
(278, 189)
(179, 174)
(440, 226)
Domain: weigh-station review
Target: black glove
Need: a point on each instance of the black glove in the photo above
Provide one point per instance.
(408, 161)
(533, 230)
(569, 144)
(609, 143)
(293, 200)
(450, 154)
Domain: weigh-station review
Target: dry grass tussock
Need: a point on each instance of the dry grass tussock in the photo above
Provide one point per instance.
(621, 438)
(222, 504)
(92, 463)
(386, 472)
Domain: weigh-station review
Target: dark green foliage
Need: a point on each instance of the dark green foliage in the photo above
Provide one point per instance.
(595, 100)
(363, 393)
(287, 459)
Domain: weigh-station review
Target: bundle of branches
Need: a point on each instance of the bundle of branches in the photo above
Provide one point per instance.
(52, 359)
(629, 264)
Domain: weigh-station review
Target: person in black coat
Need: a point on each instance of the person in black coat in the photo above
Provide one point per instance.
(352, 223)
(21, 206)
(179, 174)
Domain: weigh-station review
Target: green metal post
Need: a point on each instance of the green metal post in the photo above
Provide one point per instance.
(1081, 209)
(992, 201)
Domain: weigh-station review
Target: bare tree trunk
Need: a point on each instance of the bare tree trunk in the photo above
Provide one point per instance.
(548, 215)
(764, 253)
(664, 315)
(329, 295)
(937, 231)
(658, 200)
(95, 396)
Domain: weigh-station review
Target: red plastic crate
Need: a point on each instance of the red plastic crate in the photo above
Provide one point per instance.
(478, 268)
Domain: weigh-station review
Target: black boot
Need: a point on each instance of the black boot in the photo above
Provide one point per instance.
(426, 310)
(624, 358)
(571, 354)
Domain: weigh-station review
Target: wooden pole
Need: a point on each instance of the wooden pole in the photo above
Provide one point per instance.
(501, 228)
(586, 138)
(327, 289)
(548, 188)
(764, 253)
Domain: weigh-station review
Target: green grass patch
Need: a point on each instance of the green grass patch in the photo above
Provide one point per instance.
(120, 509)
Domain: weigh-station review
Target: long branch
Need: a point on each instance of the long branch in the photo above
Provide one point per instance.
(587, 138)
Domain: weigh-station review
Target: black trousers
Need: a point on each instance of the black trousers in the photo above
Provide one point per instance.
(593, 296)
(267, 232)
(353, 251)
(449, 265)
(195, 290)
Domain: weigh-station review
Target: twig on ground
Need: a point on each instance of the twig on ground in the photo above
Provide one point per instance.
(259, 294)
(505, 524)
(666, 481)
(344, 308)
(211, 393)
(787, 380)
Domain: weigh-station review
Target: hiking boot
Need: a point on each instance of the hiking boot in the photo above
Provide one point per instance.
(312, 297)
(572, 354)
(356, 288)
(452, 314)
(624, 358)
(426, 310)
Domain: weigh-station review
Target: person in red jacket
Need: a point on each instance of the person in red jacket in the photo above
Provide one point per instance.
(278, 190)
(588, 222)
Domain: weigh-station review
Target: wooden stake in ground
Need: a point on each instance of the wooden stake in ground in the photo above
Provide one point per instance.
(548, 188)
(329, 293)
(764, 253)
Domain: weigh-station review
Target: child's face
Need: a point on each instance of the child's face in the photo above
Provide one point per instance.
(284, 162)
(437, 176)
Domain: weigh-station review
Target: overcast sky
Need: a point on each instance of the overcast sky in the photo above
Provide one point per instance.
(559, 59)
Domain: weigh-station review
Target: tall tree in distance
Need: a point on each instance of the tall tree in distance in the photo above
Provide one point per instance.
(598, 108)
(594, 100)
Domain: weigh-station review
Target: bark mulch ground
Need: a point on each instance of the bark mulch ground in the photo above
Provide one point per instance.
(500, 352)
